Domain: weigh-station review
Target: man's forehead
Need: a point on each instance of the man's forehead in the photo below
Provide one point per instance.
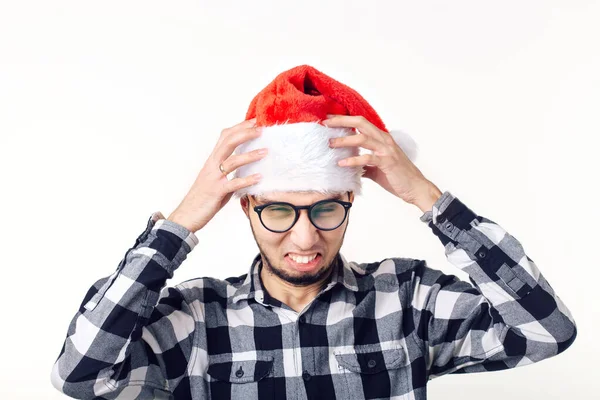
(292, 197)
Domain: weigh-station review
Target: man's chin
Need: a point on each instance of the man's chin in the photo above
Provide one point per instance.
(300, 276)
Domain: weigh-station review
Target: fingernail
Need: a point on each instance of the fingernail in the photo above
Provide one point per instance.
(263, 151)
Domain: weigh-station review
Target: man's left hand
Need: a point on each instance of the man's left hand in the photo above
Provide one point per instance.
(387, 164)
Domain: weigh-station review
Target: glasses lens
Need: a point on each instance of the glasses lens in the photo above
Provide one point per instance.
(278, 217)
(328, 215)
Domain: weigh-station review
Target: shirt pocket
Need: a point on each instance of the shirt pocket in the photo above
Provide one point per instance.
(375, 373)
(241, 379)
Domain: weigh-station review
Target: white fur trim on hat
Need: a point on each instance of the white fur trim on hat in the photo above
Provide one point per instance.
(406, 143)
(300, 159)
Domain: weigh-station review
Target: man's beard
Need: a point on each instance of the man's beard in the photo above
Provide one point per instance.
(300, 280)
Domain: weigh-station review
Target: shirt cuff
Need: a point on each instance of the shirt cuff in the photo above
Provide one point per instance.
(438, 208)
(451, 220)
(157, 224)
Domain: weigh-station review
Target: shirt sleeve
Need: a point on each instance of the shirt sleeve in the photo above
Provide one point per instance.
(128, 328)
(508, 317)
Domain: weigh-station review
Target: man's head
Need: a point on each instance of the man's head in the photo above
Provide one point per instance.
(290, 112)
(303, 238)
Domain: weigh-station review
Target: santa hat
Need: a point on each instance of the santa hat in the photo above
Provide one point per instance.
(290, 110)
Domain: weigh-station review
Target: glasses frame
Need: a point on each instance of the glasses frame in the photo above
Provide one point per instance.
(345, 204)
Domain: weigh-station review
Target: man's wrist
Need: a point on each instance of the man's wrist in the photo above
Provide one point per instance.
(426, 196)
(181, 221)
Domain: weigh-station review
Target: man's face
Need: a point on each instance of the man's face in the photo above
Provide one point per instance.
(302, 239)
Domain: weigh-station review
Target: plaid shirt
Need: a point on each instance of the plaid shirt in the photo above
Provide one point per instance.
(376, 330)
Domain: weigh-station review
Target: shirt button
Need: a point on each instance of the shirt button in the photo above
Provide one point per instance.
(302, 319)
(449, 225)
(372, 363)
(239, 373)
(306, 376)
(482, 254)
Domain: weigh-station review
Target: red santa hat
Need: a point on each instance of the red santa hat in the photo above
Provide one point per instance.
(290, 110)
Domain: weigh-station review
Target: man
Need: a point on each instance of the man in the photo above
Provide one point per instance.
(304, 322)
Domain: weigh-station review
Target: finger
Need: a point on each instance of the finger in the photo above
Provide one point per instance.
(364, 141)
(246, 124)
(249, 123)
(231, 139)
(355, 121)
(238, 160)
(240, 183)
(365, 159)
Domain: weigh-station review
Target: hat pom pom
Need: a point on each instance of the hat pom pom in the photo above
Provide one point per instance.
(406, 143)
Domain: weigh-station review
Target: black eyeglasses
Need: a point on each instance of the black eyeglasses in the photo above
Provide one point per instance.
(325, 215)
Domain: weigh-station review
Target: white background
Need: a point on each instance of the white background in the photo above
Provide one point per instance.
(109, 109)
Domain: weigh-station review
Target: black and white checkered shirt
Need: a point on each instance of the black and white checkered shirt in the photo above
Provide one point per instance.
(376, 331)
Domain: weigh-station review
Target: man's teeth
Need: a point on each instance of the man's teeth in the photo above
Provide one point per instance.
(302, 259)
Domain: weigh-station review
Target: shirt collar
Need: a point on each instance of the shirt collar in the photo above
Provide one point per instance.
(251, 287)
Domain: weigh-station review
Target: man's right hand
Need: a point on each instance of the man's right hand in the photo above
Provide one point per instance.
(211, 189)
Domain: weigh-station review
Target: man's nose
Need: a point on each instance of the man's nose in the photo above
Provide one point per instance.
(304, 234)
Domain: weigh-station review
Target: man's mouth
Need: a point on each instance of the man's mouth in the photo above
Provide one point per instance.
(302, 259)
(303, 262)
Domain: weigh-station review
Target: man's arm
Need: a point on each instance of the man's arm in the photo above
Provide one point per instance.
(122, 341)
(509, 318)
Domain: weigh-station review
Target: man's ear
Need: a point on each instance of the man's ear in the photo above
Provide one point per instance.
(245, 203)
(351, 197)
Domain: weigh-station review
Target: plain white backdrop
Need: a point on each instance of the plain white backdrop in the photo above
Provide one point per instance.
(109, 109)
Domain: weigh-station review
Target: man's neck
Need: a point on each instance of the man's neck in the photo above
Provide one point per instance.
(296, 297)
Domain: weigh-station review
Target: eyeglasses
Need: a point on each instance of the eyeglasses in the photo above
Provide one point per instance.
(325, 215)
